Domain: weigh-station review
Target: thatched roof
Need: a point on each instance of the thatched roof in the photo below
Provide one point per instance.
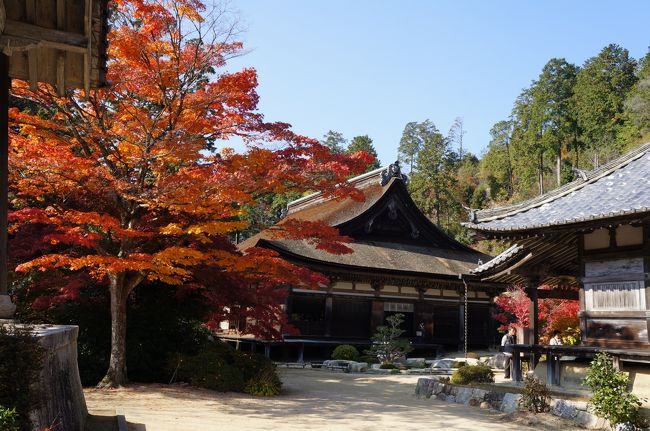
(389, 233)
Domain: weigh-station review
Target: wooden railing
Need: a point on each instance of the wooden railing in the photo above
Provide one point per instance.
(553, 354)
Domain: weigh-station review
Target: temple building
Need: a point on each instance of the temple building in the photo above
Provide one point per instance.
(401, 263)
(591, 238)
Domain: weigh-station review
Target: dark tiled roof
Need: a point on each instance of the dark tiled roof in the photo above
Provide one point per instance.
(390, 256)
(497, 261)
(618, 188)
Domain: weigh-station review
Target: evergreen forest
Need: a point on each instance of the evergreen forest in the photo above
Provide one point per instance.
(569, 120)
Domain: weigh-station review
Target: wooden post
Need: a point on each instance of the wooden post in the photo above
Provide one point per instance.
(461, 326)
(534, 314)
(534, 318)
(328, 315)
(6, 307)
(377, 316)
(301, 353)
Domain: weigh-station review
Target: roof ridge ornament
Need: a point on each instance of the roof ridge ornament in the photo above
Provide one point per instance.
(582, 174)
(471, 213)
(393, 171)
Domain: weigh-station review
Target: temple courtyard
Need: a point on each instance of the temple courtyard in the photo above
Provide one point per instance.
(311, 400)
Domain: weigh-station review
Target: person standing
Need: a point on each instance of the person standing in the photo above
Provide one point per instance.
(556, 340)
(506, 347)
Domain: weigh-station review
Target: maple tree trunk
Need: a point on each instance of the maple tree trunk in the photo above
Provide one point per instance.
(116, 375)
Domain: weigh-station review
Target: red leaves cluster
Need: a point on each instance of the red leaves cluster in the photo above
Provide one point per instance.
(126, 180)
(553, 314)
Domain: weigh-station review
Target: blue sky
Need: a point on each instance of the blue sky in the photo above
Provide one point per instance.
(369, 67)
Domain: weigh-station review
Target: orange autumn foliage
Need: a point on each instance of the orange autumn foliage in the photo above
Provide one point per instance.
(134, 182)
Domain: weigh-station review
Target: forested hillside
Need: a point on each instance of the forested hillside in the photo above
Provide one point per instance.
(570, 119)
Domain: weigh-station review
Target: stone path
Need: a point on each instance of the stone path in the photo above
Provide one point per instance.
(312, 400)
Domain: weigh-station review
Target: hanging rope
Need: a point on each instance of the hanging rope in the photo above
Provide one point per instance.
(465, 312)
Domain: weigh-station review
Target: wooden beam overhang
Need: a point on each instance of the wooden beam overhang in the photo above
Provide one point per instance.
(60, 42)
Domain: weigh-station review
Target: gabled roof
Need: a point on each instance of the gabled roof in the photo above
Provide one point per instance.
(619, 188)
(389, 232)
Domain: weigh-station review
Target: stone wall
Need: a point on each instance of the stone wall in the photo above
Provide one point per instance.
(504, 401)
(62, 399)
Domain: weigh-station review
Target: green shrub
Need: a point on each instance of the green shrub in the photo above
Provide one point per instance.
(368, 359)
(472, 374)
(345, 352)
(265, 384)
(212, 368)
(8, 419)
(611, 399)
(21, 359)
(395, 371)
(219, 367)
(535, 397)
(388, 366)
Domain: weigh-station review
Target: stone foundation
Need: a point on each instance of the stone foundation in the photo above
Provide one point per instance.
(504, 401)
(62, 402)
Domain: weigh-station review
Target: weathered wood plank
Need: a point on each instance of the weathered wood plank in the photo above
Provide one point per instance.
(60, 74)
(3, 16)
(30, 11)
(34, 33)
(600, 268)
(32, 58)
(60, 15)
(88, 28)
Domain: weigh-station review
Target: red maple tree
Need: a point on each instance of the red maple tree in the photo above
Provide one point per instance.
(132, 183)
(553, 314)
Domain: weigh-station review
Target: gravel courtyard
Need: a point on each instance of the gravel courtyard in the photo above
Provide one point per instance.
(311, 400)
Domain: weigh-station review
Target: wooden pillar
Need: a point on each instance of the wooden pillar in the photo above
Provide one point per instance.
(301, 353)
(646, 269)
(461, 326)
(5, 82)
(6, 307)
(267, 350)
(533, 313)
(377, 316)
(533, 318)
(328, 315)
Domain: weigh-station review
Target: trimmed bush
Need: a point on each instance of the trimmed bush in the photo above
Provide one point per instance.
(388, 366)
(368, 359)
(20, 368)
(468, 374)
(535, 397)
(8, 419)
(219, 367)
(345, 352)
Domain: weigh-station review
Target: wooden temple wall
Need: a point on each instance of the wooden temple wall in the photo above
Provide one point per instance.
(615, 290)
(354, 310)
